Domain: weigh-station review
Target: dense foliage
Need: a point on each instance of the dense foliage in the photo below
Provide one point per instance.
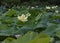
(10, 3)
(29, 21)
(33, 24)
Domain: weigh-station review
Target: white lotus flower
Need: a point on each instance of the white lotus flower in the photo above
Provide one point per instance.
(53, 7)
(32, 7)
(22, 18)
(17, 36)
(56, 6)
(28, 14)
(37, 6)
(56, 11)
(52, 39)
(47, 7)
